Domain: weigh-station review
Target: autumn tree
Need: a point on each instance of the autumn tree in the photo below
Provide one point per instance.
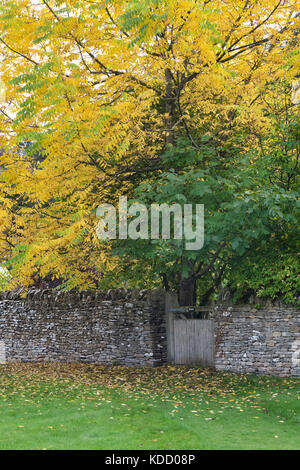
(106, 93)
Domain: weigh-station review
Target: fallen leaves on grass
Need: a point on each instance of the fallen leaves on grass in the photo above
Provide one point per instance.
(204, 388)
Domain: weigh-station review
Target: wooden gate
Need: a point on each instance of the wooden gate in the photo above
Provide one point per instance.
(193, 342)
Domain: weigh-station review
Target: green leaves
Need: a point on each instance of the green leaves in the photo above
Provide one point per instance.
(241, 211)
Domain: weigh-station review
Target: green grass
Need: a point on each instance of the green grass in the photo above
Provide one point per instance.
(90, 407)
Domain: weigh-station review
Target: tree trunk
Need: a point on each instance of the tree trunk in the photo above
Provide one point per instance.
(186, 291)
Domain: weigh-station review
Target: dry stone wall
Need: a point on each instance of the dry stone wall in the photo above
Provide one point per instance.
(114, 327)
(128, 327)
(262, 340)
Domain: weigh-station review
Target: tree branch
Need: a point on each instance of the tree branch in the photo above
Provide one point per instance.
(19, 53)
(210, 265)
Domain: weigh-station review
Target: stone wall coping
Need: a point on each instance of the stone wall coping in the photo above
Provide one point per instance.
(74, 296)
(241, 309)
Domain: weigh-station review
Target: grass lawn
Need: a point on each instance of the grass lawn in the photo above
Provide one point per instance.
(97, 407)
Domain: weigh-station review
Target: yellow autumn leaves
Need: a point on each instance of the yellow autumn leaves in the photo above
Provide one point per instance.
(85, 90)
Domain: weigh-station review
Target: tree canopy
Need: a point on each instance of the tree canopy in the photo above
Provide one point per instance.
(161, 101)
